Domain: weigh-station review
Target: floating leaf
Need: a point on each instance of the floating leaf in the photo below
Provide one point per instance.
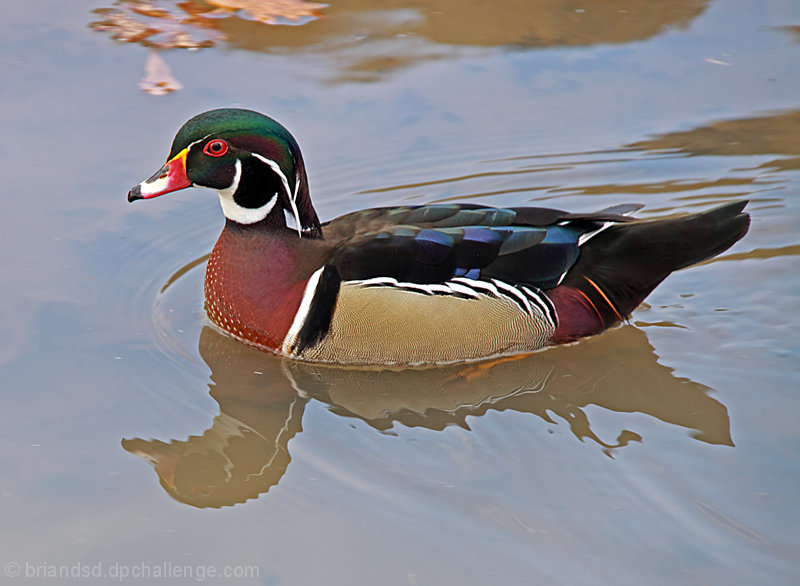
(158, 80)
(184, 25)
(162, 24)
(272, 11)
(188, 24)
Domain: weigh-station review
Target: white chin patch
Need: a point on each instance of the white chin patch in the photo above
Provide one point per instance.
(237, 213)
(241, 215)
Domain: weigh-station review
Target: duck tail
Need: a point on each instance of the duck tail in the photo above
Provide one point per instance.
(621, 265)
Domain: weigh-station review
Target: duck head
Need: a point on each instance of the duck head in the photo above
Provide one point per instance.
(252, 162)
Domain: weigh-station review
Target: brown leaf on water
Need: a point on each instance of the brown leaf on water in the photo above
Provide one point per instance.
(272, 11)
(158, 80)
(161, 24)
(191, 24)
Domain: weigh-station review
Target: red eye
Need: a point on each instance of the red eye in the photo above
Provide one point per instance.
(216, 148)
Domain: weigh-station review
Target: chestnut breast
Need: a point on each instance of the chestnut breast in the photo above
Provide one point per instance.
(255, 281)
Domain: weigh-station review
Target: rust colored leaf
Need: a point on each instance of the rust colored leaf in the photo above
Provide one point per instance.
(190, 24)
(272, 11)
(158, 80)
(160, 25)
(150, 10)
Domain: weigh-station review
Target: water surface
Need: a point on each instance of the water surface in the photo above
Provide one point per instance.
(664, 451)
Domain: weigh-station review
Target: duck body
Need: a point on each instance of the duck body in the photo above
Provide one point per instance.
(412, 285)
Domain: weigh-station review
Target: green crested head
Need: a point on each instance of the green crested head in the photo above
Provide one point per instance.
(252, 161)
(235, 123)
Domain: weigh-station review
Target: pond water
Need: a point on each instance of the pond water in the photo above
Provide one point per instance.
(137, 441)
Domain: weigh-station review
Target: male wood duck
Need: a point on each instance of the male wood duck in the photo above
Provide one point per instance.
(412, 285)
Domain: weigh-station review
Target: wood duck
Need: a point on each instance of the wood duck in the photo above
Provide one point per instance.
(412, 285)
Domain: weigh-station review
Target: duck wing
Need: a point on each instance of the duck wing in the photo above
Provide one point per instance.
(435, 243)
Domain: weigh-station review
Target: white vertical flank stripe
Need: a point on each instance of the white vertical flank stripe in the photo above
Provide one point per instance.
(302, 312)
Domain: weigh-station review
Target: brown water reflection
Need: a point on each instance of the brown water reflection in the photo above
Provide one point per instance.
(522, 23)
(773, 134)
(769, 135)
(262, 398)
(358, 23)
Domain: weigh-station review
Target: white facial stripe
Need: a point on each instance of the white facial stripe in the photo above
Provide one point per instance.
(231, 189)
(296, 217)
(191, 144)
(289, 195)
(275, 167)
(237, 213)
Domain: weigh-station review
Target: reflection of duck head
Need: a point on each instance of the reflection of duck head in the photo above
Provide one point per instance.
(262, 398)
(244, 452)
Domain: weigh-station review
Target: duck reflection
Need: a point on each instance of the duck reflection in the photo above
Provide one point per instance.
(262, 398)
(244, 452)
